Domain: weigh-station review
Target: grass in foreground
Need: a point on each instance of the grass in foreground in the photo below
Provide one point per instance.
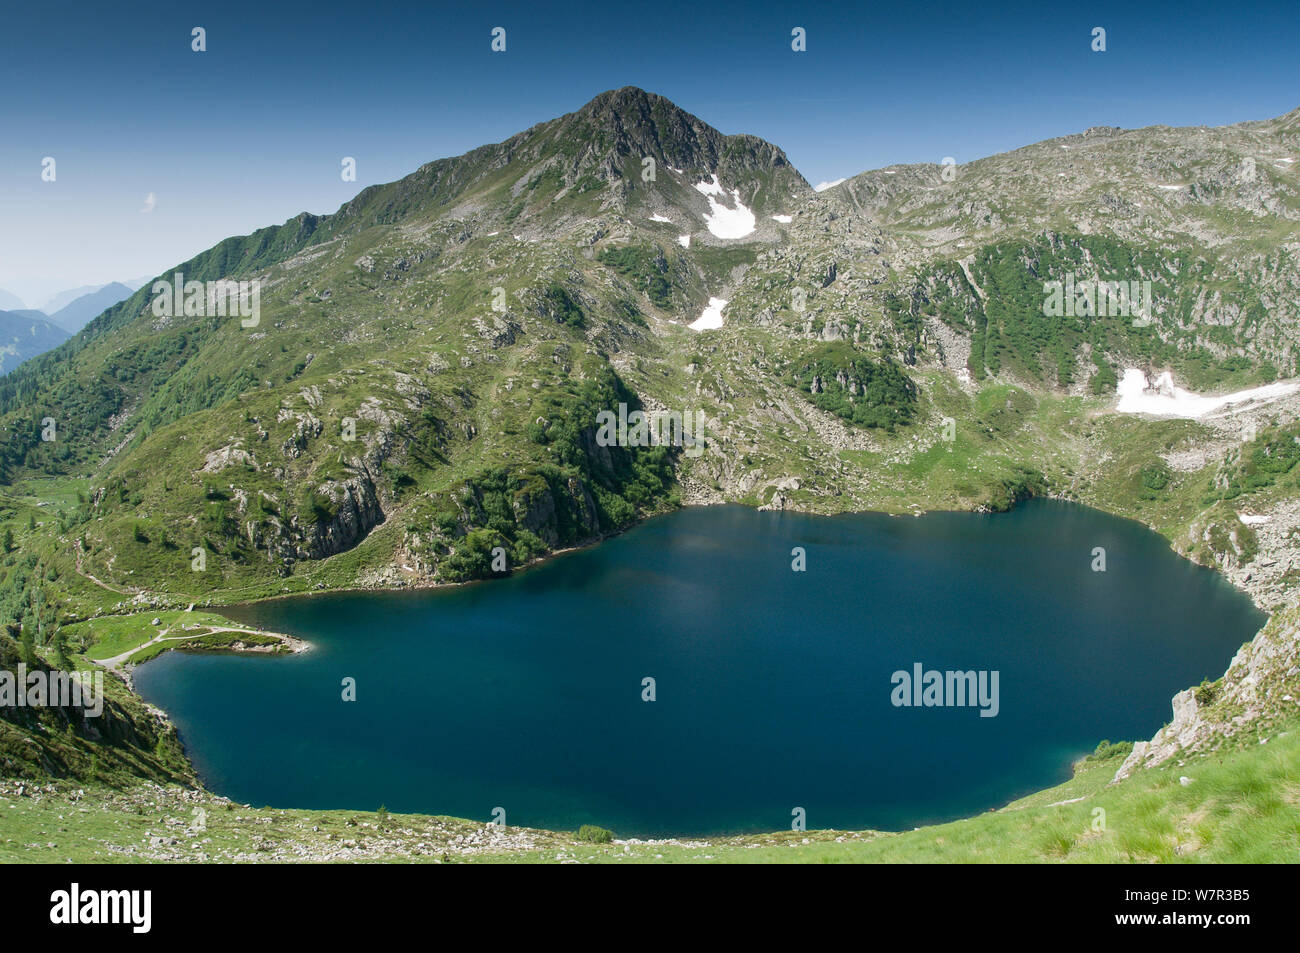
(1236, 806)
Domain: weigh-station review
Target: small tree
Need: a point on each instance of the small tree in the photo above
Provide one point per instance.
(61, 651)
(29, 648)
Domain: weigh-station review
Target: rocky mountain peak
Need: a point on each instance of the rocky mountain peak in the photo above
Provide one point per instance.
(622, 127)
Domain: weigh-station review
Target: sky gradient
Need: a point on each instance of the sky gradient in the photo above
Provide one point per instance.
(252, 131)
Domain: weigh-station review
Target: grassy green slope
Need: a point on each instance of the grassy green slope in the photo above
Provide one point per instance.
(1238, 806)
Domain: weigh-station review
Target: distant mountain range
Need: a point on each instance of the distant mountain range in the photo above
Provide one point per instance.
(9, 301)
(76, 314)
(24, 334)
(66, 297)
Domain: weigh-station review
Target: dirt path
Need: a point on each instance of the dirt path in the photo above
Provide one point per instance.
(114, 663)
(95, 579)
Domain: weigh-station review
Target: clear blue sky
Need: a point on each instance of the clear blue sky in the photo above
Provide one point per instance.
(252, 131)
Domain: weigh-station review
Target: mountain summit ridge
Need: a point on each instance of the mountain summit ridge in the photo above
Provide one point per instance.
(603, 143)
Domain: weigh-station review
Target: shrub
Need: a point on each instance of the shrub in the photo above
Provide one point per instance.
(1206, 692)
(645, 266)
(1107, 751)
(557, 303)
(1104, 381)
(528, 546)
(471, 557)
(1153, 479)
(1023, 484)
(318, 507)
(594, 835)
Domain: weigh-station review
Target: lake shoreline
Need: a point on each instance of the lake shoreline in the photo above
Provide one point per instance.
(429, 585)
(1041, 549)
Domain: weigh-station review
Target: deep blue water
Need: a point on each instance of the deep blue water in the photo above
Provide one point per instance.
(773, 687)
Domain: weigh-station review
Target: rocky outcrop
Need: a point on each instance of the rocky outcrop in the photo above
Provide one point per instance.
(70, 741)
(534, 509)
(1261, 687)
(307, 428)
(1183, 733)
(356, 512)
(226, 456)
(558, 510)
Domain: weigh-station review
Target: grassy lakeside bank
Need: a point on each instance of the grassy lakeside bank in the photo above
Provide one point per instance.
(1237, 805)
(140, 636)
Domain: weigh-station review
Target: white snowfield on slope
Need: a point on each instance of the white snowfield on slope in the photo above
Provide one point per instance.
(725, 222)
(712, 316)
(1162, 399)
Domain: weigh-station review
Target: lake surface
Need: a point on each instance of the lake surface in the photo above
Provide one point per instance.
(772, 687)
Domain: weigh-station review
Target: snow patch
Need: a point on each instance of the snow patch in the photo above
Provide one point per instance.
(722, 221)
(713, 188)
(1250, 519)
(684, 241)
(712, 316)
(661, 218)
(1172, 188)
(783, 219)
(1163, 399)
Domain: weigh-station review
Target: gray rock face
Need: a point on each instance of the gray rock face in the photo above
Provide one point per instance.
(638, 124)
(535, 512)
(1261, 686)
(357, 512)
(308, 428)
(1183, 732)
